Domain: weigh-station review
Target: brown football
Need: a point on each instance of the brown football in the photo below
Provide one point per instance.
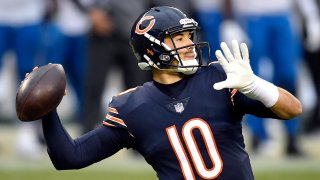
(40, 92)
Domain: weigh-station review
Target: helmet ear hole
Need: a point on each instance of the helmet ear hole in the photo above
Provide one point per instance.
(164, 57)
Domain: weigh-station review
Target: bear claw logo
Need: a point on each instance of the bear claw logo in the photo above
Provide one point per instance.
(146, 29)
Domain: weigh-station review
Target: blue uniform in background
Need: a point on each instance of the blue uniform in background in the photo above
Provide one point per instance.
(25, 42)
(274, 37)
(20, 32)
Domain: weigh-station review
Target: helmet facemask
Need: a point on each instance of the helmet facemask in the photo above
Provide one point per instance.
(184, 66)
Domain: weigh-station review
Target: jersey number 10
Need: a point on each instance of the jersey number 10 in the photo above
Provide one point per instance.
(193, 149)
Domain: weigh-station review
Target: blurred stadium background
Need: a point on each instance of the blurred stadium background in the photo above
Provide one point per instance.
(22, 165)
(125, 165)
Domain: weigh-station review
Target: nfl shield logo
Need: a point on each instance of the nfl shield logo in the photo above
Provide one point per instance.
(179, 107)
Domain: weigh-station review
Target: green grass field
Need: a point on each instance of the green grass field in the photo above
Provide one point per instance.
(138, 175)
(288, 175)
(74, 175)
(125, 166)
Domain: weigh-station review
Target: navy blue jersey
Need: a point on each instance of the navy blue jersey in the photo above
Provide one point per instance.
(195, 136)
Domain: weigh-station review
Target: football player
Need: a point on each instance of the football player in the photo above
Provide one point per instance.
(186, 123)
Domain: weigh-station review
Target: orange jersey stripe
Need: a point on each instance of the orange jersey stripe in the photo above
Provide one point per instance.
(111, 125)
(113, 110)
(108, 124)
(213, 62)
(233, 92)
(126, 91)
(117, 120)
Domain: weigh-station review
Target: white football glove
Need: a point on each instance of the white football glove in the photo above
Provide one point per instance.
(240, 75)
(236, 65)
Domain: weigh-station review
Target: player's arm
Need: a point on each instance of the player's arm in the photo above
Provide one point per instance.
(66, 153)
(241, 77)
(287, 106)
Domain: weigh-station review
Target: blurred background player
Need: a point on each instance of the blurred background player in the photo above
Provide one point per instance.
(66, 43)
(272, 35)
(20, 33)
(209, 13)
(109, 49)
(184, 5)
(311, 28)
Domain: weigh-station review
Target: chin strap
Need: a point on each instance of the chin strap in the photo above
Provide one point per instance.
(189, 70)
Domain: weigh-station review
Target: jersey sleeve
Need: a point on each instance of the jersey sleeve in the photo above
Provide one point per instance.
(68, 153)
(114, 118)
(241, 103)
(246, 105)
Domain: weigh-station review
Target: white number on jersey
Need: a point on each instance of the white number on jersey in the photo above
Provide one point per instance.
(193, 150)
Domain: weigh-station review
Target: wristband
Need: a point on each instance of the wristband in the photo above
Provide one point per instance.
(261, 90)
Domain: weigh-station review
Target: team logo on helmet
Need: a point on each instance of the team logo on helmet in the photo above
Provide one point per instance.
(151, 23)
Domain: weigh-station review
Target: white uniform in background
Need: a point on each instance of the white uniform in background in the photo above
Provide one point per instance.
(21, 23)
(70, 19)
(260, 7)
(21, 12)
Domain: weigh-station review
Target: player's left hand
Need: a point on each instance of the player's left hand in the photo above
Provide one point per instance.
(236, 65)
